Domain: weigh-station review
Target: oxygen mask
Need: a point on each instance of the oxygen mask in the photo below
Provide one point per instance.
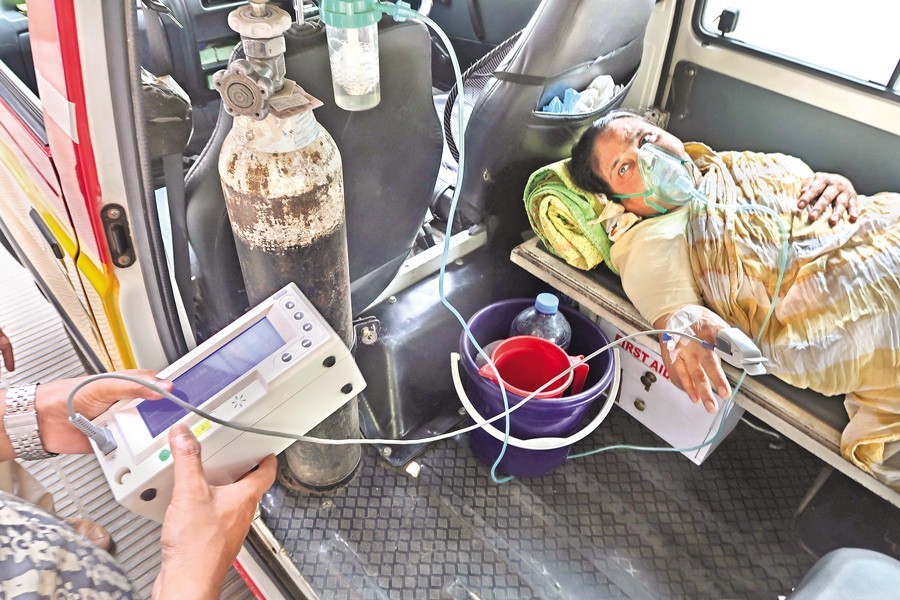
(668, 179)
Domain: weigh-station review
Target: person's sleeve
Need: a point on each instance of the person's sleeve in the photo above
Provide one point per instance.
(655, 267)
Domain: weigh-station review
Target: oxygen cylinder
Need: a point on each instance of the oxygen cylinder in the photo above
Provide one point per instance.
(284, 193)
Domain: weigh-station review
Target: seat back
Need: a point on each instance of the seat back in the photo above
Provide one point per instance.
(391, 156)
(567, 43)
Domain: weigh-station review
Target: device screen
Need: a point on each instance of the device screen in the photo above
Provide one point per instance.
(213, 374)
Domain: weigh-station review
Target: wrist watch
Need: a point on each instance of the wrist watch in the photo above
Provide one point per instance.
(20, 423)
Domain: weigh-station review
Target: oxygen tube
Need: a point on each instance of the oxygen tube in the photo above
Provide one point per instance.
(666, 177)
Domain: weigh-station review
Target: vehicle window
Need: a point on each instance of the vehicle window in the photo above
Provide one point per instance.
(15, 43)
(18, 84)
(855, 39)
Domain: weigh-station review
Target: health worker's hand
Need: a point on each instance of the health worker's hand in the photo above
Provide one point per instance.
(694, 368)
(204, 525)
(829, 189)
(6, 350)
(57, 433)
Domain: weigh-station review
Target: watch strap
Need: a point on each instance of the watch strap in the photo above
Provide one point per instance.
(21, 425)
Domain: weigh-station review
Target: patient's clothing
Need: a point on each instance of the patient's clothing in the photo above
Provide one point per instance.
(658, 246)
(836, 324)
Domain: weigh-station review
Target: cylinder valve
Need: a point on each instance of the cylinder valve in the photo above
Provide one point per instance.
(248, 83)
(244, 91)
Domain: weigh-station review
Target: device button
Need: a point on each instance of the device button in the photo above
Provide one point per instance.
(286, 357)
(289, 305)
(201, 427)
(298, 316)
(164, 454)
(307, 326)
(306, 343)
(148, 494)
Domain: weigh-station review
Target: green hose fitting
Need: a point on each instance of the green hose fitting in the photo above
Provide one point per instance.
(350, 14)
(361, 13)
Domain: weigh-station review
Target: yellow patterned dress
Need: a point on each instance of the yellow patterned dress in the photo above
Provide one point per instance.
(836, 324)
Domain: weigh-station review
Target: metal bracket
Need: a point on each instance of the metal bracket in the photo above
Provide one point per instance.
(366, 330)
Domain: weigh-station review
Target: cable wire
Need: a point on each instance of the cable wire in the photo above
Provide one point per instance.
(73, 416)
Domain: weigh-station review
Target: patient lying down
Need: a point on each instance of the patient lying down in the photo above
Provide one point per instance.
(836, 323)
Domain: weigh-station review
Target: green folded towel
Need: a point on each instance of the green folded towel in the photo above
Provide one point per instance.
(566, 218)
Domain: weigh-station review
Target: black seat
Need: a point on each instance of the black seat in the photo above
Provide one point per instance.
(391, 156)
(567, 43)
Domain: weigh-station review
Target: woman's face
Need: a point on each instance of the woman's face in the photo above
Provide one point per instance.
(615, 158)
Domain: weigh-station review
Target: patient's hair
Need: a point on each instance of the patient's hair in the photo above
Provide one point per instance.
(582, 154)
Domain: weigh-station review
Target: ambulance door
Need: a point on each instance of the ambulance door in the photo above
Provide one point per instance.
(65, 209)
(33, 214)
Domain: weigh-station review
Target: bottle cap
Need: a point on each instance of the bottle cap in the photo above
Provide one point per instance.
(546, 303)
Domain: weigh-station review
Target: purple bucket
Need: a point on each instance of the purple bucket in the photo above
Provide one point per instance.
(554, 417)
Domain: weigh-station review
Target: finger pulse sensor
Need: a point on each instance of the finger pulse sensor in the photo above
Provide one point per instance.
(280, 366)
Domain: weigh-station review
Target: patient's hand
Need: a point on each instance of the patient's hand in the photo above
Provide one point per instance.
(829, 189)
(693, 367)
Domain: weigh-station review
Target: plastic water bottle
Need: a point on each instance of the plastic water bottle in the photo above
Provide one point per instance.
(543, 320)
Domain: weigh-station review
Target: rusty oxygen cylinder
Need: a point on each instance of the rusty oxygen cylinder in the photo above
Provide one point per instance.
(281, 175)
(284, 193)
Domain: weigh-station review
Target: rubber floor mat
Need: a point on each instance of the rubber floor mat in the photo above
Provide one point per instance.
(613, 525)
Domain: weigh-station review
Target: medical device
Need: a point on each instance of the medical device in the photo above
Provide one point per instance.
(352, 30)
(278, 366)
(734, 347)
(666, 178)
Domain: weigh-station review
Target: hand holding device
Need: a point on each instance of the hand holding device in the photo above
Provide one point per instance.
(694, 367)
(204, 525)
(58, 435)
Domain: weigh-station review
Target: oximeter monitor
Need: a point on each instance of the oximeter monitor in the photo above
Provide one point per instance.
(278, 367)
(212, 374)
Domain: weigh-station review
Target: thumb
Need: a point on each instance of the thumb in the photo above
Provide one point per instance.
(261, 479)
(188, 464)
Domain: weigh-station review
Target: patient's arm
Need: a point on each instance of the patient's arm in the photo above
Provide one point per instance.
(695, 368)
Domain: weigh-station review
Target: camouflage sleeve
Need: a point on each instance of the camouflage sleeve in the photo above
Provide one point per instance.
(41, 557)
